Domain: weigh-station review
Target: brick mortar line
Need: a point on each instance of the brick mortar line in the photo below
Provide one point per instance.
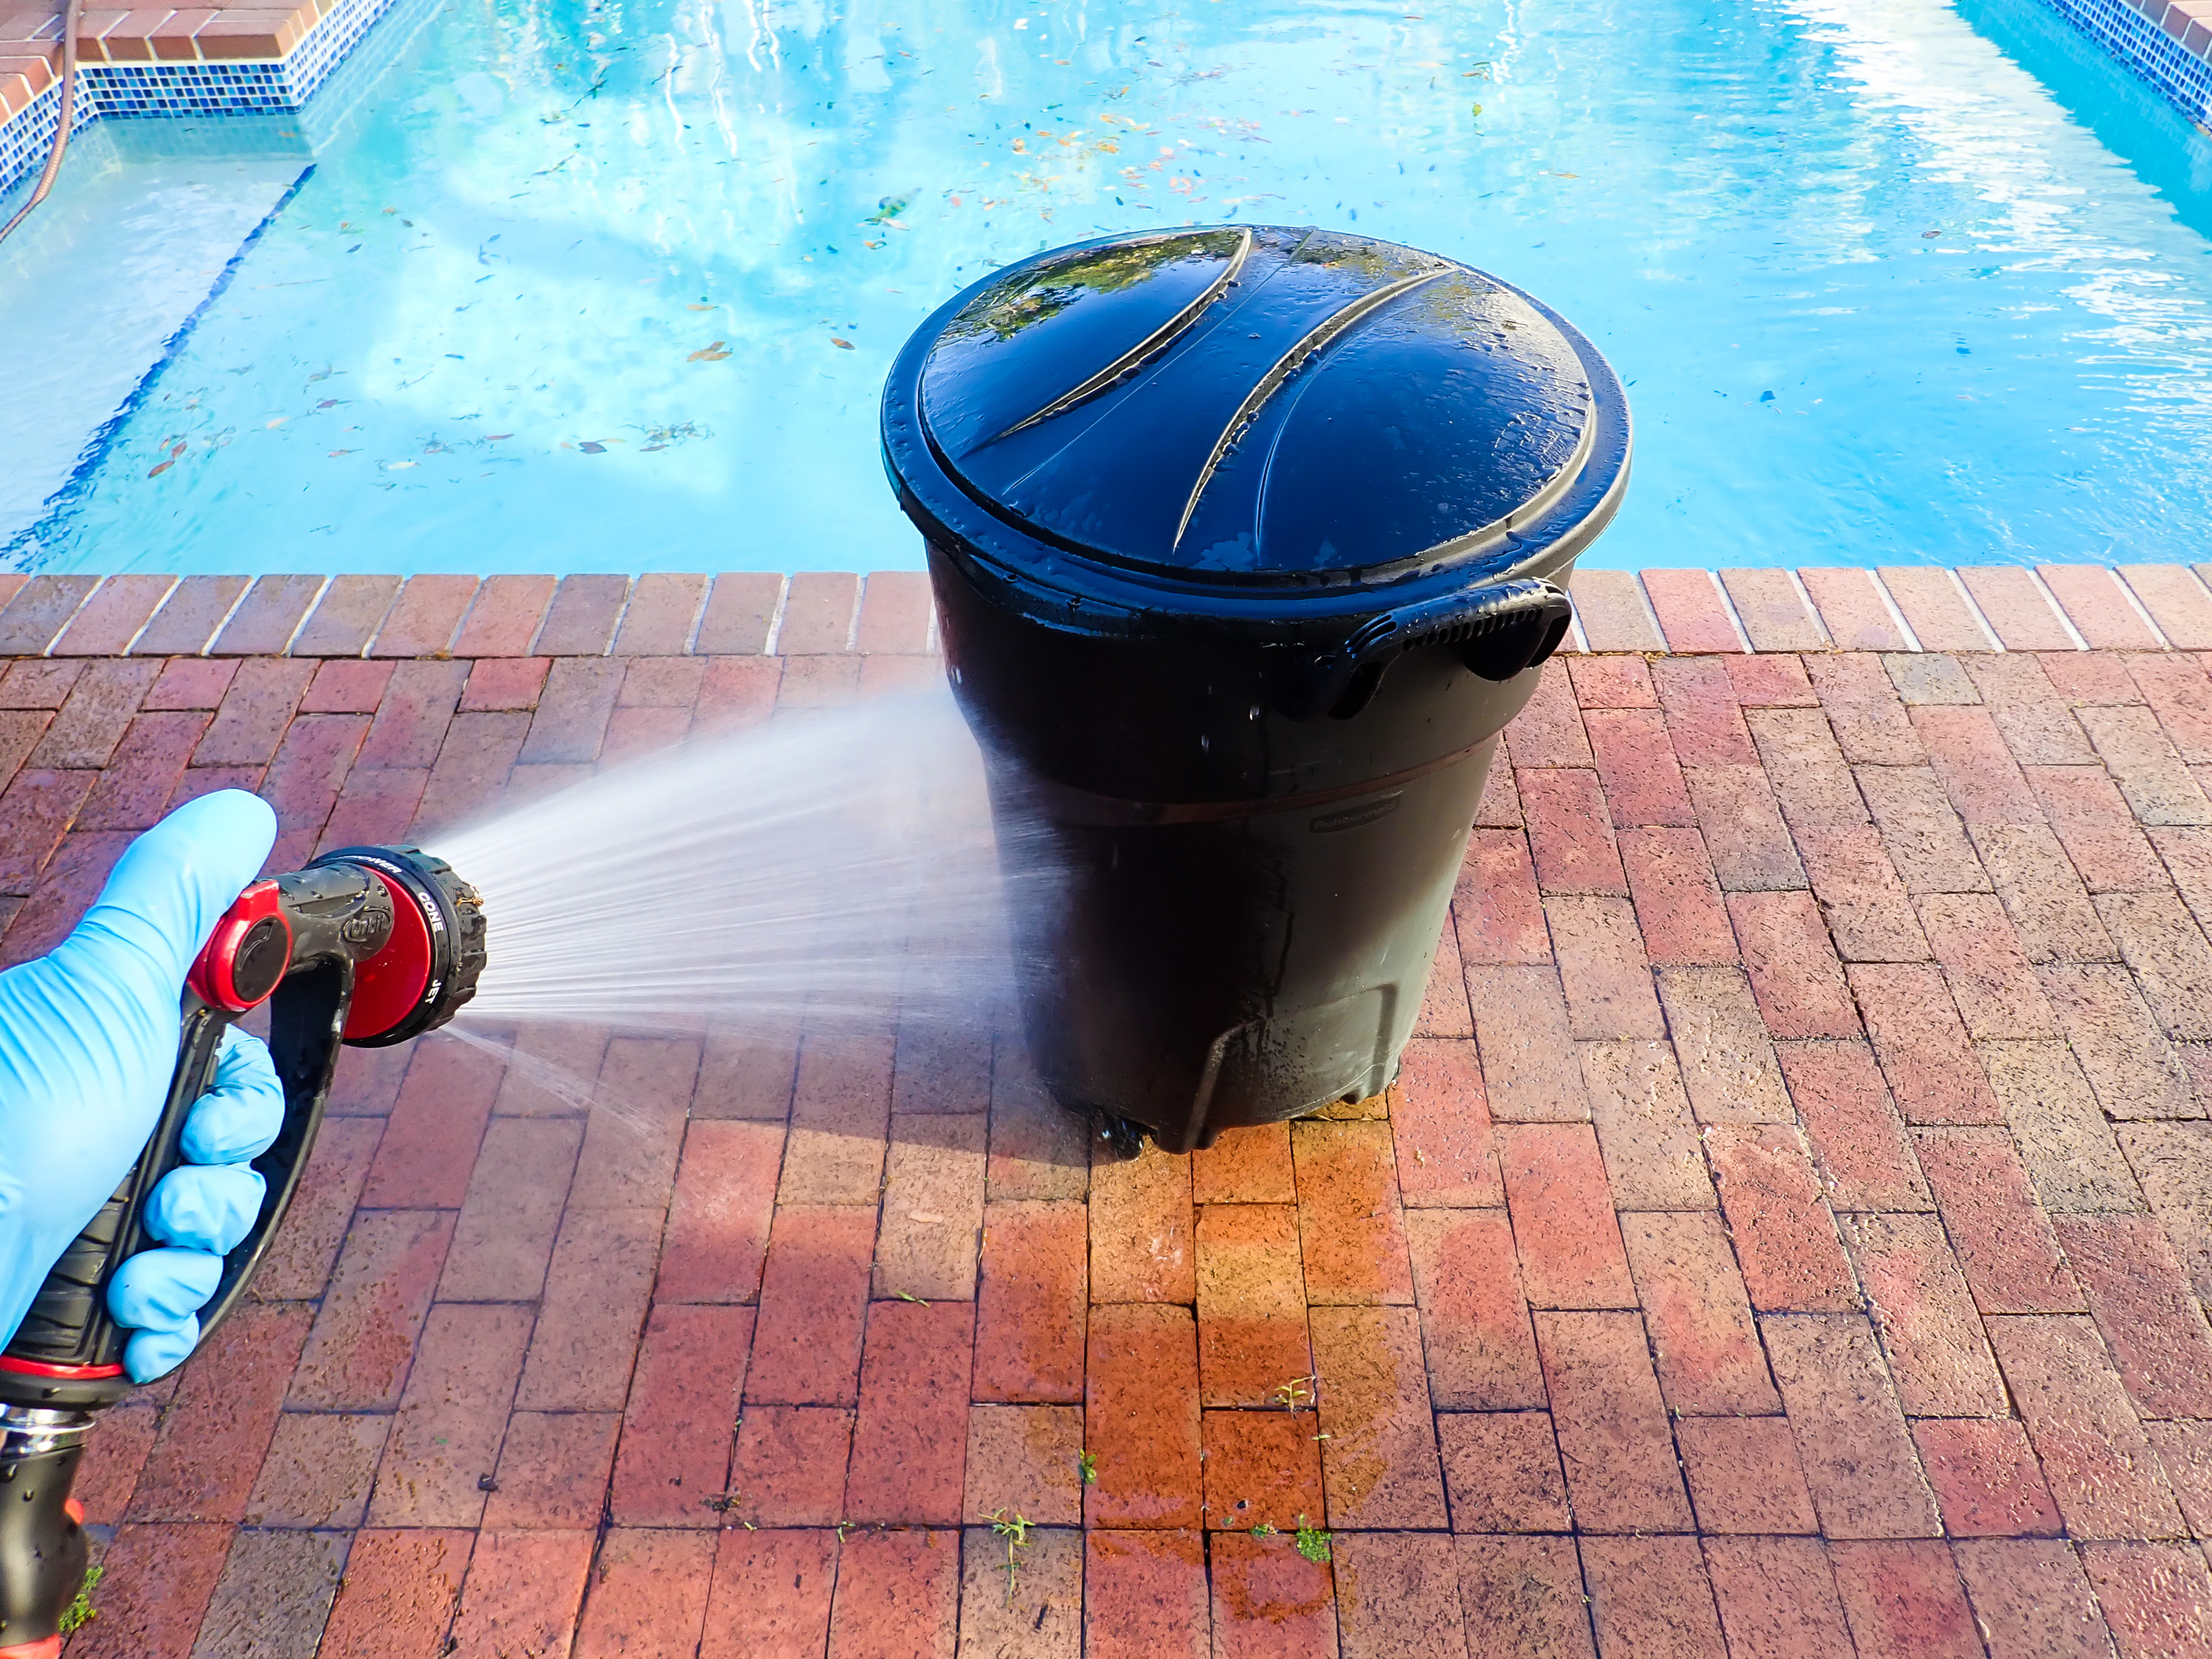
(1974, 610)
(776, 616)
(622, 614)
(2195, 575)
(1896, 611)
(1650, 611)
(2125, 594)
(2134, 603)
(699, 620)
(1805, 598)
(1734, 617)
(175, 582)
(2035, 576)
(306, 615)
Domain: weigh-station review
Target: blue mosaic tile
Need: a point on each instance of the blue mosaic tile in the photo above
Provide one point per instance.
(2146, 50)
(124, 91)
(327, 43)
(25, 141)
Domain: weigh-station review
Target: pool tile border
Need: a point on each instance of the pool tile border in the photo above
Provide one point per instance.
(2167, 42)
(216, 61)
(1974, 608)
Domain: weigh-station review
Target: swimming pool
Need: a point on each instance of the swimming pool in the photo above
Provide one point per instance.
(612, 284)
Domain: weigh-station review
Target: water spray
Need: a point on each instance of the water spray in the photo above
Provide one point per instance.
(367, 946)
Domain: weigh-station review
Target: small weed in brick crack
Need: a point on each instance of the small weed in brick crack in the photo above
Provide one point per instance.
(80, 1611)
(1087, 1467)
(1313, 1543)
(1016, 1532)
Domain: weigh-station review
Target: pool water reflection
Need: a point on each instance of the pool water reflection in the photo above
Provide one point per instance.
(612, 284)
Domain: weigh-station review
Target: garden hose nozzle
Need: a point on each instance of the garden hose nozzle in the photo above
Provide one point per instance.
(367, 946)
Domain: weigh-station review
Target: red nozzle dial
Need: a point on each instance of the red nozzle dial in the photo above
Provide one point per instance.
(389, 986)
(245, 956)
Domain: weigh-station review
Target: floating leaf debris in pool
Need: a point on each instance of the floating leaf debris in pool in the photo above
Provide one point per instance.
(592, 447)
(698, 308)
(667, 437)
(710, 353)
(1925, 234)
(1766, 397)
(847, 344)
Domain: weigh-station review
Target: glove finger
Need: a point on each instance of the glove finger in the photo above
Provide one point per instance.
(161, 1290)
(238, 1117)
(173, 882)
(156, 1353)
(206, 1206)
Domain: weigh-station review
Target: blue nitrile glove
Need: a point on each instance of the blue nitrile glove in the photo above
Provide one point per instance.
(88, 1041)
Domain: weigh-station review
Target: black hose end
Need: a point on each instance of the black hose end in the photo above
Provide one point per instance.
(43, 1547)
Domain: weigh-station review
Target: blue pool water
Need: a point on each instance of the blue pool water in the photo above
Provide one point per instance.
(612, 284)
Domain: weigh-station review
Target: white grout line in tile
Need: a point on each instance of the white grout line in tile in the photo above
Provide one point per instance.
(698, 618)
(55, 638)
(175, 582)
(308, 614)
(460, 627)
(2056, 609)
(1973, 610)
(2194, 572)
(1650, 610)
(314, 605)
(1805, 597)
(629, 592)
(223, 621)
(1896, 614)
(1728, 607)
(776, 618)
(530, 647)
(2148, 621)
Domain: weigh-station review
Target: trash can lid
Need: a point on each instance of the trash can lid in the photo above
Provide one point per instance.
(1253, 403)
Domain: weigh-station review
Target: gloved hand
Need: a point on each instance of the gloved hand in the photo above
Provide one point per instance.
(88, 1041)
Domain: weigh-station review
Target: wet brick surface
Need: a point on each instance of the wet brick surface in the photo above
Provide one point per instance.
(1806, 1252)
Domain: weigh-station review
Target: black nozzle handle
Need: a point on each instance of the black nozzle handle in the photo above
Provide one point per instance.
(1500, 629)
(305, 1017)
(68, 1353)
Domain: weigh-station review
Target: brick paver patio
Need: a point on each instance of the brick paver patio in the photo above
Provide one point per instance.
(1790, 1237)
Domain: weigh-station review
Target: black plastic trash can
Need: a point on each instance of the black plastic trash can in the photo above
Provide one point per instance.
(1247, 542)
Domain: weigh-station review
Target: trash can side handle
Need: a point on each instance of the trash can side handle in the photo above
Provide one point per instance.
(1501, 629)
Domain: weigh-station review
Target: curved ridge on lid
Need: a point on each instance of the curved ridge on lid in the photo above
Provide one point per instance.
(1263, 403)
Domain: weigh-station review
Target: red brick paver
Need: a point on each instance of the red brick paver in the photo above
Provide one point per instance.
(1805, 1253)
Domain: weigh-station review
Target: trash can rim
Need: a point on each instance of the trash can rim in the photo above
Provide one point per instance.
(1051, 572)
